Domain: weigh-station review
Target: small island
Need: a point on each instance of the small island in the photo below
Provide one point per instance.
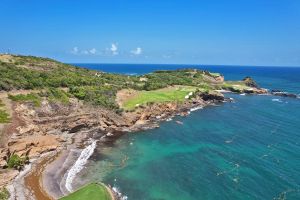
(48, 107)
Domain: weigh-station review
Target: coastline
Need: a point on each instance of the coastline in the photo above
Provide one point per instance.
(49, 181)
(45, 182)
(65, 125)
(40, 178)
(54, 175)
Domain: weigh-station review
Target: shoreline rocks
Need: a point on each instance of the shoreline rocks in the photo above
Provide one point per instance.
(283, 94)
(54, 126)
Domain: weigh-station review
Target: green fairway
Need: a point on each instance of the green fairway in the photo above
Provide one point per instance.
(177, 93)
(93, 191)
(215, 74)
(238, 86)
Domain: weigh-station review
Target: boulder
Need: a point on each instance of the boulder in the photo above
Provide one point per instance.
(283, 94)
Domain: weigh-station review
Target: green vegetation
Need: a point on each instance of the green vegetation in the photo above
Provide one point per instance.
(4, 194)
(94, 87)
(235, 86)
(161, 79)
(92, 191)
(163, 95)
(4, 116)
(56, 95)
(17, 162)
(32, 98)
(99, 96)
(37, 73)
(215, 74)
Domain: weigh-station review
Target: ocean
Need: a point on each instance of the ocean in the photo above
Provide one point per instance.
(248, 149)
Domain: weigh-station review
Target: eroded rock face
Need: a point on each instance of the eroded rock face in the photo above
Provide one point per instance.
(220, 79)
(146, 117)
(250, 82)
(34, 145)
(53, 126)
(7, 175)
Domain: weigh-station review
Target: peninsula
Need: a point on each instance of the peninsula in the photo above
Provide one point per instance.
(48, 107)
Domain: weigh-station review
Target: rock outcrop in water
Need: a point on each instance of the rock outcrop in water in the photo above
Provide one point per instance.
(283, 94)
(250, 82)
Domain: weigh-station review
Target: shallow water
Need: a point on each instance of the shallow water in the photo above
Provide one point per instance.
(249, 149)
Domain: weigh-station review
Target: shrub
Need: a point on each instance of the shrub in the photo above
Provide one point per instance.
(17, 162)
(4, 194)
(32, 97)
(4, 116)
(54, 95)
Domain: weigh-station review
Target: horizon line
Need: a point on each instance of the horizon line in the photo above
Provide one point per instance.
(225, 65)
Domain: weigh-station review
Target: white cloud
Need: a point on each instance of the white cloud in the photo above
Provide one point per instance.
(137, 51)
(75, 50)
(93, 51)
(114, 49)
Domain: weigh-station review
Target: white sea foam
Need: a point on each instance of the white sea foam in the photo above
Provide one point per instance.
(196, 108)
(79, 164)
(277, 100)
(243, 94)
(119, 194)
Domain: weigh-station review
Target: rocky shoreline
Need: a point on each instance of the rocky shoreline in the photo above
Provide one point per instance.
(57, 129)
(53, 128)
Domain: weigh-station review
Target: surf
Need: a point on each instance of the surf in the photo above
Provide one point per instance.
(79, 164)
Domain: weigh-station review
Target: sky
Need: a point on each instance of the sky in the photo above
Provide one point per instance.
(215, 32)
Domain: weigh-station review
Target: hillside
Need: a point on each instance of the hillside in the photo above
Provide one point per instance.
(99, 88)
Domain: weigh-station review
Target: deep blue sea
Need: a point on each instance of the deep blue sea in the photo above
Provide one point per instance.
(249, 149)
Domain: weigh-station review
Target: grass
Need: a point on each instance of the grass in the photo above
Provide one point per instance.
(32, 97)
(162, 95)
(237, 86)
(215, 74)
(4, 116)
(91, 191)
(57, 95)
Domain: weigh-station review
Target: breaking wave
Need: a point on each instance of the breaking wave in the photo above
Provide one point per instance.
(79, 164)
(119, 194)
(196, 108)
(277, 100)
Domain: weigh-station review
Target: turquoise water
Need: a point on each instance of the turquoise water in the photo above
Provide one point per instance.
(249, 149)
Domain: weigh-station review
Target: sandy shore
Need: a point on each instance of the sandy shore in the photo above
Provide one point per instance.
(48, 183)
(27, 185)
(53, 177)
(34, 179)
